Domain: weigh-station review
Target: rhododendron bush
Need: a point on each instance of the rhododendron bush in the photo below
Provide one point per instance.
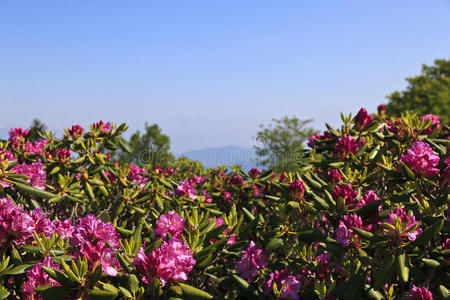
(367, 218)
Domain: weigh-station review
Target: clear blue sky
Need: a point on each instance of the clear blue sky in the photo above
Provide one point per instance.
(209, 72)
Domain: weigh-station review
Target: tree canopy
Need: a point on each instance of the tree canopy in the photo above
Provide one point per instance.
(427, 93)
(150, 147)
(280, 144)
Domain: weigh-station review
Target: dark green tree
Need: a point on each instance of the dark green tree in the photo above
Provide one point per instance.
(280, 145)
(36, 128)
(427, 93)
(151, 147)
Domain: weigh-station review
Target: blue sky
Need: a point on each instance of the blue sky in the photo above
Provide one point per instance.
(209, 72)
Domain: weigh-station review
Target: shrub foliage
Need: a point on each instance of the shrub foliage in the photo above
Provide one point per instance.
(366, 218)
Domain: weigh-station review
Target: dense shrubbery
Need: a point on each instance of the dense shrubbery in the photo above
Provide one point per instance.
(367, 218)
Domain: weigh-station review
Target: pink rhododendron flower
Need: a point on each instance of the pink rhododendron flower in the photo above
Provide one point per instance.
(98, 254)
(344, 232)
(296, 190)
(312, 139)
(36, 147)
(15, 225)
(334, 176)
(172, 262)
(421, 159)
(106, 127)
(253, 260)
(18, 133)
(207, 198)
(345, 146)
(254, 172)
(362, 119)
(395, 128)
(280, 278)
(94, 231)
(236, 180)
(64, 228)
(381, 109)
(34, 171)
(63, 155)
(5, 157)
(92, 239)
(136, 176)
(256, 193)
(36, 277)
(324, 263)
(76, 131)
(169, 171)
(367, 198)
(345, 192)
(226, 195)
(402, 225)
(171, 223)
(186, 189)
(194, 180)
(435, 123)
(41, 223)
(420, 293)
(446, 172)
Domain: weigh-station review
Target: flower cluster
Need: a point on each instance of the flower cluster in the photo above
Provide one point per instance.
(254, 172)
(296, 190)
(106, 127)
(435, 123)
(34, 171)
(345, 146)
(421, 159)
(362, 119)
(136, 176)
(345, 192)
(285, 282)
(253, 260)
(76, 131)
(186, 189)
(171, 223)
(420, 293)
(401, 226)
(171, 262)
(36, 277)
(16, 225)
(96, 241)
(344, 232)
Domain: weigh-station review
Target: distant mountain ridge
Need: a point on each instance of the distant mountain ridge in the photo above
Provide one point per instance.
(227, 155)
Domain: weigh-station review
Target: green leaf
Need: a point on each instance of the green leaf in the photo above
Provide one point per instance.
(431, 263)
(364, 234)
(133, 283)
(125, 292)
(53, 292)
(98, 294)
(310, 235)
(3, 293)
(33, 191)
(443, 292)
(274, 244)
(244, 287)
(407, 171)
(59, 276)
(18, 270)
(401, 266)
(369, 208)
(429, 233)
(192, 293)
(384, 272)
